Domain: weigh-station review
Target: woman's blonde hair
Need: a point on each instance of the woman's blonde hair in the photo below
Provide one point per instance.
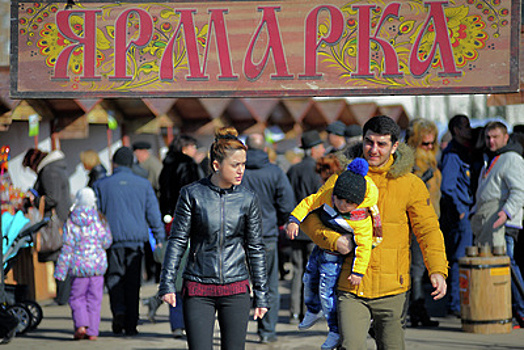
(89, 158)
(226, 140)
(417, 129)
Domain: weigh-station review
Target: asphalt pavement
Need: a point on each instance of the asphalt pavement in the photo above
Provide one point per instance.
(56, 332)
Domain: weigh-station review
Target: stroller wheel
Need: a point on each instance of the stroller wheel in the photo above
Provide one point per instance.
(23, 315)
(36, 312)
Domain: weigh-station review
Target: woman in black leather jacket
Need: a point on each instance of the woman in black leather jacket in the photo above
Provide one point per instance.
(221, 220)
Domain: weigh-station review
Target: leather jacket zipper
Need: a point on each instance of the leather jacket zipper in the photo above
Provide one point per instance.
(221, 250)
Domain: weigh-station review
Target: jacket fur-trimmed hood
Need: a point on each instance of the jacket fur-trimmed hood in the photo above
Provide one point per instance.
(404, 159)
(53, 156)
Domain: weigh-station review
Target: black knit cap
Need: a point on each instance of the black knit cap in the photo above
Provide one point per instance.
(351, 184)
(353, 130)
(123, 157)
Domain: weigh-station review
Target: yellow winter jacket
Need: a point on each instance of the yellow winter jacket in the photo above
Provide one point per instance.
(363, 229)
(403, 201)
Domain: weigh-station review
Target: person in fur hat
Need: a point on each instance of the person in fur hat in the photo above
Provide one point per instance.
(346, 203)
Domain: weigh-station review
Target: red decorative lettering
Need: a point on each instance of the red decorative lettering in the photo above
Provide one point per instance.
(224, 55)
(121, 44)
(391, 66)
(312, 43)
(166, 62)
(419, 68)
(88, 42)
(254, 70)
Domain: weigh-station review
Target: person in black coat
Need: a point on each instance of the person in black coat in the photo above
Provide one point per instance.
(276, 199)
(179, 169)
(304, 181)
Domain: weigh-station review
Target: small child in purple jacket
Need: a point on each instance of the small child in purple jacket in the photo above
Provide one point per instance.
(83, 256)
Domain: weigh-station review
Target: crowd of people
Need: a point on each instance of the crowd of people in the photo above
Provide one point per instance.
(370, 215)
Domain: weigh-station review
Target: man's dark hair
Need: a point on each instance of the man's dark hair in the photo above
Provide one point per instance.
(456, 122)
(383, 125)
(180, 141)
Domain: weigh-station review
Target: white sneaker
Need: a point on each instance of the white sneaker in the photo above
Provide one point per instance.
(310, 319)
(332, 341)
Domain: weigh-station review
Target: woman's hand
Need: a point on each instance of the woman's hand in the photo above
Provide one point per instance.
(260, 312)
(170, 298)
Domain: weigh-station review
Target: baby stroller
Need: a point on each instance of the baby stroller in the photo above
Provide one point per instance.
(17, 233)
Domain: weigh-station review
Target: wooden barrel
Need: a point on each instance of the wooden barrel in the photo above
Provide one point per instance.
(485, 294)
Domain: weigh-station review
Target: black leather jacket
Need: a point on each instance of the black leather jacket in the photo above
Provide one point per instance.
(225, 233)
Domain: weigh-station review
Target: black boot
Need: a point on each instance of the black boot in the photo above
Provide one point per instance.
(418, 315)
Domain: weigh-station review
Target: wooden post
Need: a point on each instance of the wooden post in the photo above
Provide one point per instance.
(109, 142)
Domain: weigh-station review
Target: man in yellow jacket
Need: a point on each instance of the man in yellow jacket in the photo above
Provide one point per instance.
(403, 202)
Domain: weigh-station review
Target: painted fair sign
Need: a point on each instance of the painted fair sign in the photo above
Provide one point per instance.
(263, 48)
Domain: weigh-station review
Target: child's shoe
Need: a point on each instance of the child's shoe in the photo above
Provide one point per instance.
(332, 341)
(310, 319)
(80, 333)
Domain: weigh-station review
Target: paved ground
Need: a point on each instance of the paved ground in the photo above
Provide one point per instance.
(56, 332)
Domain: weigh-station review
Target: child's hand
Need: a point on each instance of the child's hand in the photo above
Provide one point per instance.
(354, 280)
(292, 230)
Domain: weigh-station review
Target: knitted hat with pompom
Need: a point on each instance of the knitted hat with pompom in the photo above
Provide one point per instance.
(351, 184)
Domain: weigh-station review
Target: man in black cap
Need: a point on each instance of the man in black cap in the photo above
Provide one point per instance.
(130, 205)
(149, 162)
(153, 167)
(304, 181)
(336, 137)
(353, 135)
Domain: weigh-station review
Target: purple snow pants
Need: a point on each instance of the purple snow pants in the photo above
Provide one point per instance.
(85, 301)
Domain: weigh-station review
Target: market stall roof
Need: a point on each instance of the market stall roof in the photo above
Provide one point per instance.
(397, 113)
(364, 111)
(281, 116)
(331, 109)
(241, 115)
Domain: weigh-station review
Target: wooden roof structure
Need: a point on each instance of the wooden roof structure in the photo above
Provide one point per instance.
(70, 118)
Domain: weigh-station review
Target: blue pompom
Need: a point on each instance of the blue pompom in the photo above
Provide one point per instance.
(358, 166)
